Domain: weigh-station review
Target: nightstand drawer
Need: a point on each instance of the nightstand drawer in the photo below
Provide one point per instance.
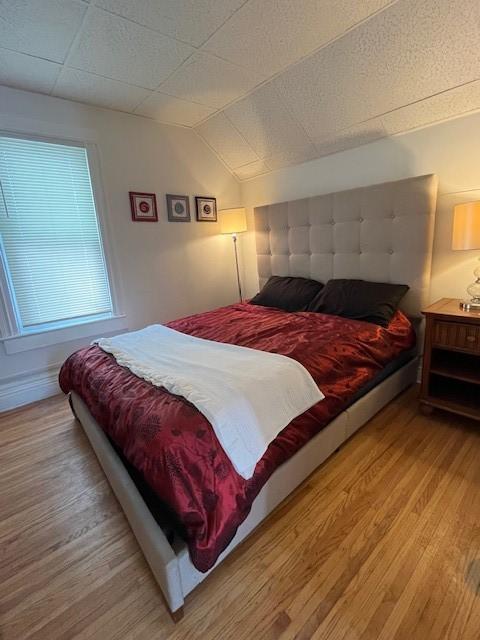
(456, 335)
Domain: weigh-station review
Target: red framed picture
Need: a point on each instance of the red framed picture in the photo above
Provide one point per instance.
(143, 206)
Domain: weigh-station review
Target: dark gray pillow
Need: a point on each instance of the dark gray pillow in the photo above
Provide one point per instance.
(374, 302)
(287, 293)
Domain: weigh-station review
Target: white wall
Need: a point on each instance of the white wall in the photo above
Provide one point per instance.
(166, 270)
(449, 149)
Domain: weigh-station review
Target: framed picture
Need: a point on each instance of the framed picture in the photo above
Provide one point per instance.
(178, 208)
(143, 206)
(206, 209)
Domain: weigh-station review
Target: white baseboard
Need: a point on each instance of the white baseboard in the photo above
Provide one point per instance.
(28, 387)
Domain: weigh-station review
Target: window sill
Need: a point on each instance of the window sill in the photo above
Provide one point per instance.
(49, 337)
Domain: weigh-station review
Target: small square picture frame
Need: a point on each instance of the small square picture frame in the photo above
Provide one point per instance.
(143, 206)
(178, 208)
(206, 208)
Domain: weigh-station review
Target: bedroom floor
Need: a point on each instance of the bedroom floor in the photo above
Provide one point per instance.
(381, 542)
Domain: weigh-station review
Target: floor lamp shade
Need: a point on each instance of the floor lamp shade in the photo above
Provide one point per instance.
(233, 220)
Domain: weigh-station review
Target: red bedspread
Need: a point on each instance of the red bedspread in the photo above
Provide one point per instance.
(175, 447)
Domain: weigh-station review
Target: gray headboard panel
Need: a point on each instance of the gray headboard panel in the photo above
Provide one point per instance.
(381, 233)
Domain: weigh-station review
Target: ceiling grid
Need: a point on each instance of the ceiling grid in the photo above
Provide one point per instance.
(265, 83)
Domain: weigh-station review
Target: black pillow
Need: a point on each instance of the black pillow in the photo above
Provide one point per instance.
(287, 293)
(374, 302)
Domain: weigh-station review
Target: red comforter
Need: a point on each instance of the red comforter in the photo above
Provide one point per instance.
(174, 446)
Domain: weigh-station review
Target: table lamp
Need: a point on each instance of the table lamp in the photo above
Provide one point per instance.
(466, 235)
(233, 222)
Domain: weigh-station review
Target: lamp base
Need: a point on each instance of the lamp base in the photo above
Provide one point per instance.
(470, 305)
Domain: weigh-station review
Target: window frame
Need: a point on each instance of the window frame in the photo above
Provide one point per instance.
(11, 334)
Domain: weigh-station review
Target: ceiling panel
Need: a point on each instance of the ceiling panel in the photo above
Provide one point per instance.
(292, 157)
(405, 53)
(222, 136)
(103, 92)
(172, 110)
(439, 107)
(265, 123)
(24, 72)
(209, 80)
(251, 170)
(117, 48)
(45, 29)
(268, 35)
(351, 137)
(191, 21)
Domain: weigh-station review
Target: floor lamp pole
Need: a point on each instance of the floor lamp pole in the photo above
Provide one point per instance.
(234, 237)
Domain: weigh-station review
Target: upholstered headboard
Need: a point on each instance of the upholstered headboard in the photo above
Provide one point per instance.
(381, 233)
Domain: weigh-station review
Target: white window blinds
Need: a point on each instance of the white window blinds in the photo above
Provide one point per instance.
(50, 235)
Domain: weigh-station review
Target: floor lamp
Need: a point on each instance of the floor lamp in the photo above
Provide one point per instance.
(233, 222)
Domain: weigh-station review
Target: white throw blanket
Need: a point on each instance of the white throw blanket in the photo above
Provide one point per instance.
(247, 395)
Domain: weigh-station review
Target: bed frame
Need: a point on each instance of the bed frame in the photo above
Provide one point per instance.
(383, 232)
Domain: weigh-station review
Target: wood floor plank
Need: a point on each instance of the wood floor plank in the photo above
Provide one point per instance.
(382, 542)
(373, 581)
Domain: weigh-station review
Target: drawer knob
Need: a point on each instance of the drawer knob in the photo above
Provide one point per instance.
(470, 338)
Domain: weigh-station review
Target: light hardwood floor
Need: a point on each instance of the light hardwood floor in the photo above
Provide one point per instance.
(381, 543)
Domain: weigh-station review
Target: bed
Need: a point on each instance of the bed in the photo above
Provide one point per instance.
(383, 232)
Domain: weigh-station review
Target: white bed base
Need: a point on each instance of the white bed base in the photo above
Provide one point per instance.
(172, 567)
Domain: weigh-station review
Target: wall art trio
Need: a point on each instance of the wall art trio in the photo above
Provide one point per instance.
(144, 207)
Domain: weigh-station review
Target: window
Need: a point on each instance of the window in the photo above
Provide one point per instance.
(54, 272)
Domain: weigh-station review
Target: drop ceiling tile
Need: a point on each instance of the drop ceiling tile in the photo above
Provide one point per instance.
(122, 50)
(45, 29)
(445, 105)
(268, 35)
(252, 170)
(24, 72)
(405, 53)
(292, 157)
(191, 21)
(265, 123)
(209, 80)
(350, 138)
(222, 136)
(172, 110)
(103, 92)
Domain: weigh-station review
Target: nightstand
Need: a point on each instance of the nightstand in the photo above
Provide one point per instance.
(451, 359)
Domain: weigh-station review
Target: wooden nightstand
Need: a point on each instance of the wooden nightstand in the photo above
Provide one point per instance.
(451, 359)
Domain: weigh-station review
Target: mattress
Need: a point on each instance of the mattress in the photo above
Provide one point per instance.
(394, 365)
(172, 446)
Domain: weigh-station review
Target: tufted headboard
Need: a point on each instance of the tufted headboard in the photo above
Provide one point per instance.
(381, 233)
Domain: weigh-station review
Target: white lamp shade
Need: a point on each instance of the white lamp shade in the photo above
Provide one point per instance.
(466, 226)
(233, 220)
